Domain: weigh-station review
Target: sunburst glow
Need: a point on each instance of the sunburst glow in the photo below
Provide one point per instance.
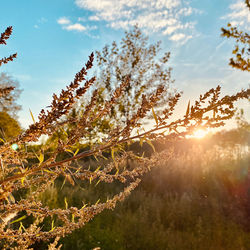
(199, 133)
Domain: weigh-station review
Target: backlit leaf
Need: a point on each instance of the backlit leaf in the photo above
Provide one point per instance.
(76, 152)
(32, 116)
(19, 219)
(66, 203)
(155, 116)
(188, 109)
(150, 144)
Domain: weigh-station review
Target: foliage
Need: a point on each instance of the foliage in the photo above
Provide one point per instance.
(25, 174)
(9, 127)
(241, 60)
(8, 101)
(136, 59)
(9, 91)
(199, 200)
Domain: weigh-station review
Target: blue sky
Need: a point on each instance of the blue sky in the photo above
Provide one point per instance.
(53, 39)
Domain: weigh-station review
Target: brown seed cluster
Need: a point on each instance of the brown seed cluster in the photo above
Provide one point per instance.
(31, 172)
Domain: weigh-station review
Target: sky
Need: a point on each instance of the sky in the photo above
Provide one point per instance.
(53, 39)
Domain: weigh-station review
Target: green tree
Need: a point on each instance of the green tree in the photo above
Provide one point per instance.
(8, 102)
(9, 93)
(9, 127)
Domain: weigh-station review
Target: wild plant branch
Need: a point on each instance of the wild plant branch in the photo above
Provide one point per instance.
(42, 166)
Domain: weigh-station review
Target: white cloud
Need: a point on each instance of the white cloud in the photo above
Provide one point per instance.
(66, 24)
(172, 28)
(181, 38)
(63, 21)
(94, 18)
(164, 16)
(77, 26)
(239, 14)
(186, 11)
(177, 37)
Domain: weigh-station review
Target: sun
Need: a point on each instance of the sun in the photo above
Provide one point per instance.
(199, 133)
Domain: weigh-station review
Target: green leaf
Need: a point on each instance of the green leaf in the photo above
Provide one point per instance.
(141, 141)
(66, 203)
(52, 226)
(188, 109)
(69, 150)
(96, 158)
(155, 116)
(22, 181)
(64, 132)
(48, 171)
(21, 227)
(113, 154)
(63, 183)
(105, 158)
(117, 172)
(83, 206)
(150, 144)
(41, 158)
(139, 157)
(76, 152)
(97, 183)
(19, 219)
(32, 116)
(97, 169)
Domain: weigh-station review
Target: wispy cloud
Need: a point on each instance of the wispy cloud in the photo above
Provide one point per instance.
(40, 21)
(239, 14)
(162, 16)
(77, 26)
(68, 25)
(63, 21)
(177, 37)
(181, 38)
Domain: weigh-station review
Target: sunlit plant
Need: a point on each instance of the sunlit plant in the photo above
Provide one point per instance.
(25, 174)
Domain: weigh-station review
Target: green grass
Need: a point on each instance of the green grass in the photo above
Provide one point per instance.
(201, 200)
